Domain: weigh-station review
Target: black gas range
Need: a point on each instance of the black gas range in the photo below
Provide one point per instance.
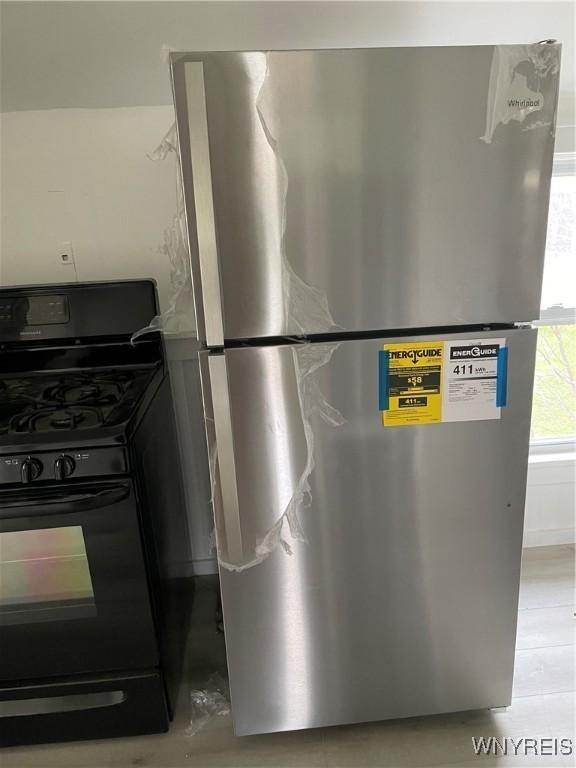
(93, 531)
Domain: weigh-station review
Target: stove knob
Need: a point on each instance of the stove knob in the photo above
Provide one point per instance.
(30, 470)
(63, 467)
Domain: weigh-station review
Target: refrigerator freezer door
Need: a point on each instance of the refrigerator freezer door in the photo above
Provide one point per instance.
(400, 599)
(366, 189)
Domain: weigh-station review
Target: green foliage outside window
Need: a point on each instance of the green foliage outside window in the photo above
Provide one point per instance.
(554, 406)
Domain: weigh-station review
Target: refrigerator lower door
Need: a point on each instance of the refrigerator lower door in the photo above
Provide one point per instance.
(367, 572)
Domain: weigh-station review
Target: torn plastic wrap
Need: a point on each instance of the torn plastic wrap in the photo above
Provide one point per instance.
(178, 317)
(286, 530)
(208, 702)
(306, 307)
(306, 311)
(516, 92)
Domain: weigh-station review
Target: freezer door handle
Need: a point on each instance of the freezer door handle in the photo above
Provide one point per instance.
(204, 203)
(232, 532)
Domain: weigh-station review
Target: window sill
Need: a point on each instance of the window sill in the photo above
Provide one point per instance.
(552, 457)
(561, 449)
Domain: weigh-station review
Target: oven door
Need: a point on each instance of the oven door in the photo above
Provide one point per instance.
(73, 588)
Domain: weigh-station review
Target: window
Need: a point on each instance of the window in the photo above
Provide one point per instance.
(554, 409)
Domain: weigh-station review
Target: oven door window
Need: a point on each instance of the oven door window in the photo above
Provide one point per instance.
(73, 583)
(44, 576)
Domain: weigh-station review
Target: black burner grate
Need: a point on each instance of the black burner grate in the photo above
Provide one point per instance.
(69, 401)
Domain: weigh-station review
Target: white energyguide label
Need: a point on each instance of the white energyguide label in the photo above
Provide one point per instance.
(470, 373)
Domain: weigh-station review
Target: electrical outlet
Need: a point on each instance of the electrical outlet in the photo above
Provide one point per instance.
(66, 254)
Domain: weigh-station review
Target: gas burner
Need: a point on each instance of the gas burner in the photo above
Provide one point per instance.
(84, 392)
(55, 419)
(13, 407)
(18, 389)
(54, 402)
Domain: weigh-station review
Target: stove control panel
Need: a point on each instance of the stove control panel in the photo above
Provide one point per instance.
(77, 311)
(58, 466)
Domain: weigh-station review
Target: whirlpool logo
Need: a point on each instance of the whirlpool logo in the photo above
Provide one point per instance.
(524, 103)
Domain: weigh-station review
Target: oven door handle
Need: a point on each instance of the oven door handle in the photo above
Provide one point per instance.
(51, 503)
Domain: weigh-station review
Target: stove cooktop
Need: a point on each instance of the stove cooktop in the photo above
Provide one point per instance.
(53, 402)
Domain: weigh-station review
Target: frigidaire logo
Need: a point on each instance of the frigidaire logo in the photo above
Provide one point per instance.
(523, 103)
(478, 350)
(414, 354)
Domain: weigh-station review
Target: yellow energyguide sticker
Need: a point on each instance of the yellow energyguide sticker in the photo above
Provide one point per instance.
(413, 383)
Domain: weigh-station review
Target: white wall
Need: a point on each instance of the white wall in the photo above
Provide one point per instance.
(83, 176)
(77, 54)
(550, 500)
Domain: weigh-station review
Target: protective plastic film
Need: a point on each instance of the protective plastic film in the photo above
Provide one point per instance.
(515, 90)
(178, 317)
(306, 307)
(286, 528)
(213, 700)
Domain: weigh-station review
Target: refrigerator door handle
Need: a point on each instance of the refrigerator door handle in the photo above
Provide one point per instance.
(232, 531)
(204, 203)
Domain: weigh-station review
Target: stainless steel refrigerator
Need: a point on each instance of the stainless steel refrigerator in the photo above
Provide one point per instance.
(367, 232)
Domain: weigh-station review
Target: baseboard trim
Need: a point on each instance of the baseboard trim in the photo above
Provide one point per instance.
(547, 538)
